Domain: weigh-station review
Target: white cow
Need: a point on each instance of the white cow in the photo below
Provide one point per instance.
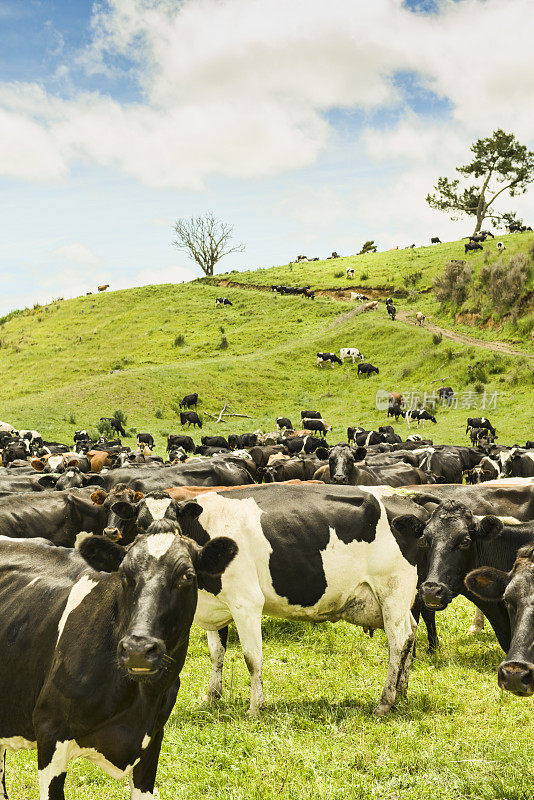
(350, 352)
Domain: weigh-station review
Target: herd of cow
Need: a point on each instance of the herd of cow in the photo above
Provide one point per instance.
(108, 555)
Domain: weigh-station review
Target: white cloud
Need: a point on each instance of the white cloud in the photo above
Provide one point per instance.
(77, 253)
(238, 87)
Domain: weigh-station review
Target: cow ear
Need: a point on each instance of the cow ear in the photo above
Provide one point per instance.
(487, 583)
(102, 554)
(125, 510)
(359, 453)
(73, 463)
(138, 496)
(216, 555)
(37, 464)
(489, 528)
(409, 525)
(189, 509)
(48, 481)
(322, 453)
(98, 497)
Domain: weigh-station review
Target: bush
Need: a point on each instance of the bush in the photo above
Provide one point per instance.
(338, 274)
(104, 428)
(505, 283)
(158, 413)
(437, 338)
(477, 372)
(122, 417)
(179, 340)
(223, 344)
(412, 278)
(452, 285)
(364, 276)
(72, 419)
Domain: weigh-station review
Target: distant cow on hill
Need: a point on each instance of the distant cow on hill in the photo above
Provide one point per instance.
(190, 418)
(103, 287)
(435, 240)
(189, 401)
(323, 358)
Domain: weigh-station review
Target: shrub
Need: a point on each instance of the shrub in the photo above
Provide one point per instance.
(412, 278)
(449, 354)
(364, 276)
(72, 419)
(437, 338)
(223, 344)
(452, 285)
(505, 283)
(479, 387)
(104, 428)
(338, 274)
(477, 372)
(179, 340)
(158, 413)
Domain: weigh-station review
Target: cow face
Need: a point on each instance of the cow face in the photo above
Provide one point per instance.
(342, 461)
(516, 589)
(159, 574)
(143, 511)
(450, 540)
(118, 528)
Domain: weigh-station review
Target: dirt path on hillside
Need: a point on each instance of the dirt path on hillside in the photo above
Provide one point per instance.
(402, 316)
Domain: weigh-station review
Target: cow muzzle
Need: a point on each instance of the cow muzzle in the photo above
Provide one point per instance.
(435, 596)
(340, 480)
(113, 534)
(141, 656)
(517, 677)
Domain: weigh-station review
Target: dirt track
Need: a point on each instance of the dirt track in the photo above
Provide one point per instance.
(402, 316)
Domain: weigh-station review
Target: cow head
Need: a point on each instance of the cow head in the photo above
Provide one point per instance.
(160, 574)
(516, 589)
(118, 528)
(143, 511)
(449, 539)
(342, 460)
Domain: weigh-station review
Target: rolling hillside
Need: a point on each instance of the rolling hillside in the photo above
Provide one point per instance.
(140, 350)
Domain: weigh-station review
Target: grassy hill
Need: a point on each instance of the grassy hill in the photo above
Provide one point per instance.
(140, 350)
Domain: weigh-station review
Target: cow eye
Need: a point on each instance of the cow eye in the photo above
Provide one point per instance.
(186, 578)
(464, 543)
(423, 542)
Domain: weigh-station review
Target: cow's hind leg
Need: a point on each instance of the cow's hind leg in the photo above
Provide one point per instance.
(400, 629)
(52, 759)
(3, 790)
(217, 647)
(248, 624)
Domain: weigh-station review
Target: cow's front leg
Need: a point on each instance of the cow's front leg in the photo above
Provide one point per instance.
(248, 624)
(3, 790)
(53, 756)
(143, 775)
(217, 647)
(400, 630)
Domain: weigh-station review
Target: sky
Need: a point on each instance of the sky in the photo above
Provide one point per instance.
(308, 125)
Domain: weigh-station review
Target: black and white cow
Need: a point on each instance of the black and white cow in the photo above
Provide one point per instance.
(514, 589)
(145, 438)
(350, 273)
(392, 311)
(470, 246)
(350, 352)
(223, 301)
(93, 671)
(366, 369)
(310, 415)
(324, 358)
(480, 422)
(336, 559)
(190, 418)
(419, 415)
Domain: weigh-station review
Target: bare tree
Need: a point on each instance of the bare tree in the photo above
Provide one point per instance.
(206, 239)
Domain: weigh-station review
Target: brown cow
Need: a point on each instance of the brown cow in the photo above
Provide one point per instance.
(395, 398)
(99, 459)
(103, 287)
(371, 305)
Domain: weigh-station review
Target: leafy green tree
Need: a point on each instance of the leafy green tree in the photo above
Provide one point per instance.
(368, 247)
(500, 164)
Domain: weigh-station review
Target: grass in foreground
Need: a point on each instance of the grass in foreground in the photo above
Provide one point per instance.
(456, 737)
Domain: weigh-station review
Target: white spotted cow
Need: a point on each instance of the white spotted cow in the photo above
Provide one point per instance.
(350, 352)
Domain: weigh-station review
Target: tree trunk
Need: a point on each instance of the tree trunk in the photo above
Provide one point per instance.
(481, 214)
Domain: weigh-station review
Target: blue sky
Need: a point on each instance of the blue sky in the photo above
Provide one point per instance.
(309, 126)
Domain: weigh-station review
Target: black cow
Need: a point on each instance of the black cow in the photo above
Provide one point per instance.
(445, 394)
(480, 422)
(219, 471)
(396, 411)
(241, 441)
(514, 590)
(191, 418)
(323, 358)
(456, 542)
(345, 468)
(445, 466)
(177, 440)
(435, 240)
(284, 422)
(56, 516)
(223, 301)
(215, 441)
(94, 667)
(469, 246)
(189, 401)
(517, 464)
(311, 415)
(145, 438)
(366, 369)
(317, 426)
(115, 424)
